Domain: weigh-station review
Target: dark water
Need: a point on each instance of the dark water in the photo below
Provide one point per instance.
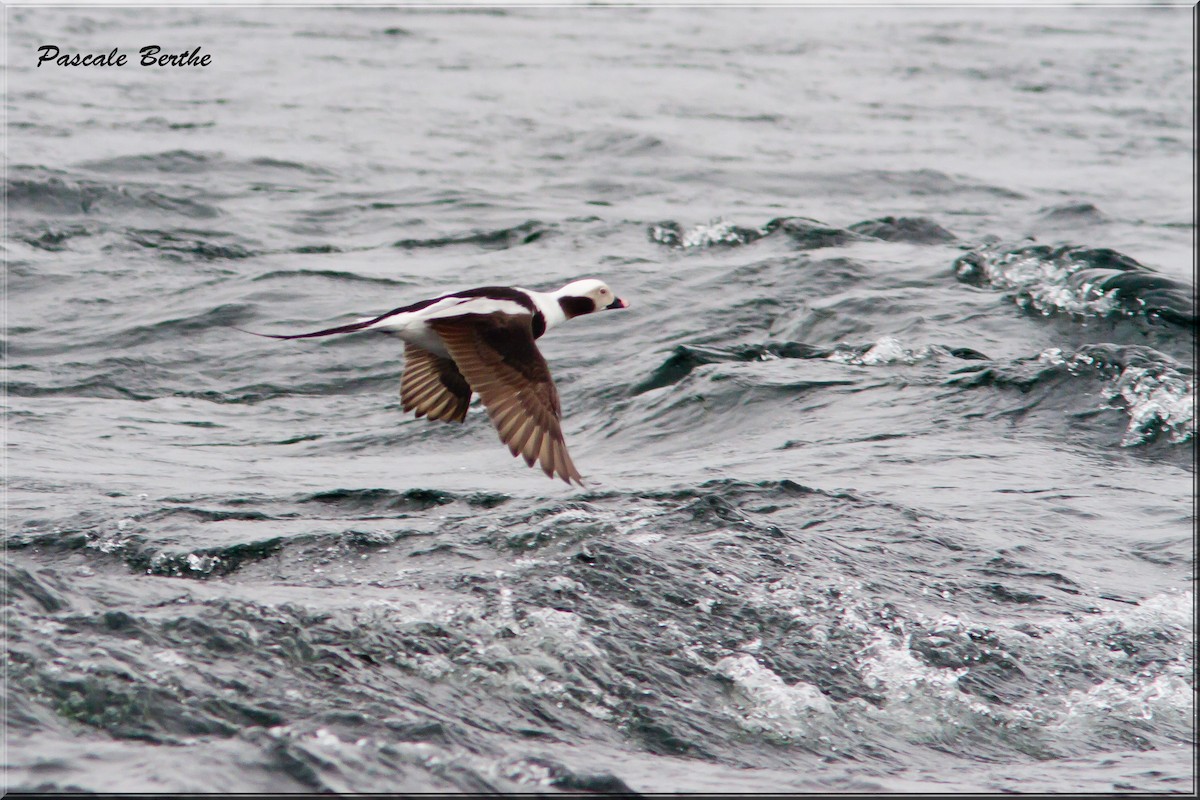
(890, 461)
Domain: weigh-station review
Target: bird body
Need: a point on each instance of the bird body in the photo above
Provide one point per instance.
(413, 326)
(482, 341)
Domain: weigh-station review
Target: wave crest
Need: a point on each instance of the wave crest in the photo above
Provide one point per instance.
(1094, 282)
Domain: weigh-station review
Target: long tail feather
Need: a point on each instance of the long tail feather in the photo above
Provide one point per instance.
(354, 326)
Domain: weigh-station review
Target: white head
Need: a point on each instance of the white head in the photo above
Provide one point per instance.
(585, 296)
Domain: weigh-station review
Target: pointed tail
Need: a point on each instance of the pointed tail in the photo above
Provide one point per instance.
(354, 326)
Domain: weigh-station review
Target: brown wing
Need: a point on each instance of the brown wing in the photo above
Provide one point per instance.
(433, 387)
(496, 354)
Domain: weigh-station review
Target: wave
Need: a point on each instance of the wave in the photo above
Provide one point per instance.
(57, 238)
(500, 239)
(99, 386)
(1156, 393)
(1074, 214)
(23, 588)
(150, 541)
(716, 620)
(1092, 282)
(804, 233)
(807, 234)
(890, 350)
(572, 145)
(915, 230)
(380, 501)
(144, 378)
(181, 242)
(887, 350)
(52, 210)
(192, 162)
(919, 183)
(328, 274)
(222, 316)
(252, 394)
(38, 192)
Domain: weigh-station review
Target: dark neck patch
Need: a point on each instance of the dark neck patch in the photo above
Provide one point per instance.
(539, 324)
(577, 306)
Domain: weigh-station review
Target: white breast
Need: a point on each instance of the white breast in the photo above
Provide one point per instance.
(552, 312)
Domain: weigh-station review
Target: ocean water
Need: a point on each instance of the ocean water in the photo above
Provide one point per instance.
(890, 463)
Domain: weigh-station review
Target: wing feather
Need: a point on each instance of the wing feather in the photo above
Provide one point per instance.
(497, 356)
(433, 387)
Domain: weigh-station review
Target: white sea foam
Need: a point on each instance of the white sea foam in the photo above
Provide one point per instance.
(771, 705)
(887, 350)
(1041, 282)
(1158, 395)
(717, 231)
(1157, 400)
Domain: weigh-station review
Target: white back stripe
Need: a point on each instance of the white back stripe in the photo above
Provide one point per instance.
(473, 305)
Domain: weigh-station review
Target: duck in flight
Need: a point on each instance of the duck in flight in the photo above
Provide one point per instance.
(482, 341)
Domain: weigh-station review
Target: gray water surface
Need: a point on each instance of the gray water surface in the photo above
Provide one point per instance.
(890, 463)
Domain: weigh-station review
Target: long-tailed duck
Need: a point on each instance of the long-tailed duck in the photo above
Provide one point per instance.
(482, 340)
